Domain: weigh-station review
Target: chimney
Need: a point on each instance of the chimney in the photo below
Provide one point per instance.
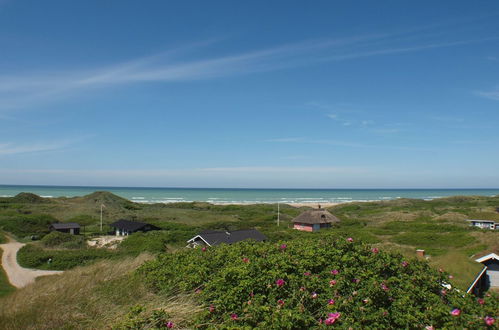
(420, 253)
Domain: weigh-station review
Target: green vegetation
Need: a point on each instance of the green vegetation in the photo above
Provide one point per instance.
(312, 283)
(5, 286)
(33, 256)
(90, 297)
(402, 225)
(62, 240)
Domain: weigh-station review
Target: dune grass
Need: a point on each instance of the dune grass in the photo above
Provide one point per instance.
(5, 286)
(91, 297)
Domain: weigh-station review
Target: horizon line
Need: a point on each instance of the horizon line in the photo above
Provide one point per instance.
(236, 188)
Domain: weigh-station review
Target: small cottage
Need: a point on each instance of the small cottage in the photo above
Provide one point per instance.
(314, 220)
(214, 237)
(69, 227)
(484, 224)
(488, 277)
(126, 227)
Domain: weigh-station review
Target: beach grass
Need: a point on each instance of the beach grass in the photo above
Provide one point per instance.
(5, 286)
(90, 297)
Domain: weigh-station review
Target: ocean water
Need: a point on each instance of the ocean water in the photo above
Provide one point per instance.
(243, 196)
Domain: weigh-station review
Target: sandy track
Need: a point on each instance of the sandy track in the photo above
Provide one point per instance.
(19, 276)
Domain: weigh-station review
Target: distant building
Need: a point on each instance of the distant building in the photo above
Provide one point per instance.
(314, 220)
(484, 224)
(488, 276)
(69, 227)
(214, 237)
(126, 227)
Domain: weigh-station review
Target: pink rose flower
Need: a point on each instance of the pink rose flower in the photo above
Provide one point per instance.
(332, 283)
(430, 327)
(245, 260)
(330, 302)
(405, 264)
(455, 312)
(335, 272)
(234, 316)
(283, 246)
(481, 301)
(384, 287)
(355, 280)
(314, 295)
(280, 282)
(307, 274)
(170, 324)
(375, 250)
(489, 320)
(332, 317)
(350, 239)
(280, 302)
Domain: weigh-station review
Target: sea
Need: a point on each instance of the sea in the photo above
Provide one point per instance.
(245, 196)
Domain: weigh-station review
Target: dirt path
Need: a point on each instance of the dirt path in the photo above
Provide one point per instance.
(19, 276)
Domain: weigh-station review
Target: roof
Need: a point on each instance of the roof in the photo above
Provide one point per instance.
(66, 225)
(316, 216)
(130, 225)
(476, 279)
(476, 220)
(488, 257)
(212, 237)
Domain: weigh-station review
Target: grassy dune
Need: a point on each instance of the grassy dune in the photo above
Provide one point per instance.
(89, 297)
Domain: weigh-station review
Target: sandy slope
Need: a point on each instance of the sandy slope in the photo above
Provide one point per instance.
(19, 276)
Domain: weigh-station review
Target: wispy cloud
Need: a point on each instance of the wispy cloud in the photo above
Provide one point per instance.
(348, 144)
(10, 148)
(493, 94)
(25, 90)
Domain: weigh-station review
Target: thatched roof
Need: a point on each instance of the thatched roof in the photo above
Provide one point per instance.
(316, 216)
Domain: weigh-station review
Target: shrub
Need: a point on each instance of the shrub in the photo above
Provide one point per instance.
(23, 225)
(63, 240)
(31, 256)
(313, 283)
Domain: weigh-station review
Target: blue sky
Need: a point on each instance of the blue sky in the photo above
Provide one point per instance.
(323, 94)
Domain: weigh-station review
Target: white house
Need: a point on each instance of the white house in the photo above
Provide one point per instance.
(484, 224)
(488, 276)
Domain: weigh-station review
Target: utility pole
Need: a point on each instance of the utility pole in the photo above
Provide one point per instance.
(101, 206)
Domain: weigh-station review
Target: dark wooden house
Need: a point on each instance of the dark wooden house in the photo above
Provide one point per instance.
(126, 227)
(69, 227)
(214, 237)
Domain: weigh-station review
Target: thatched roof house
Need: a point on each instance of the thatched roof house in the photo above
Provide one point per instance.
(313, 220)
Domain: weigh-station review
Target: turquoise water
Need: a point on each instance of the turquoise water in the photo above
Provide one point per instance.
(214, 195)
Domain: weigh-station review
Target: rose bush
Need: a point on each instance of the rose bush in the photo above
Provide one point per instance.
(315, 283)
